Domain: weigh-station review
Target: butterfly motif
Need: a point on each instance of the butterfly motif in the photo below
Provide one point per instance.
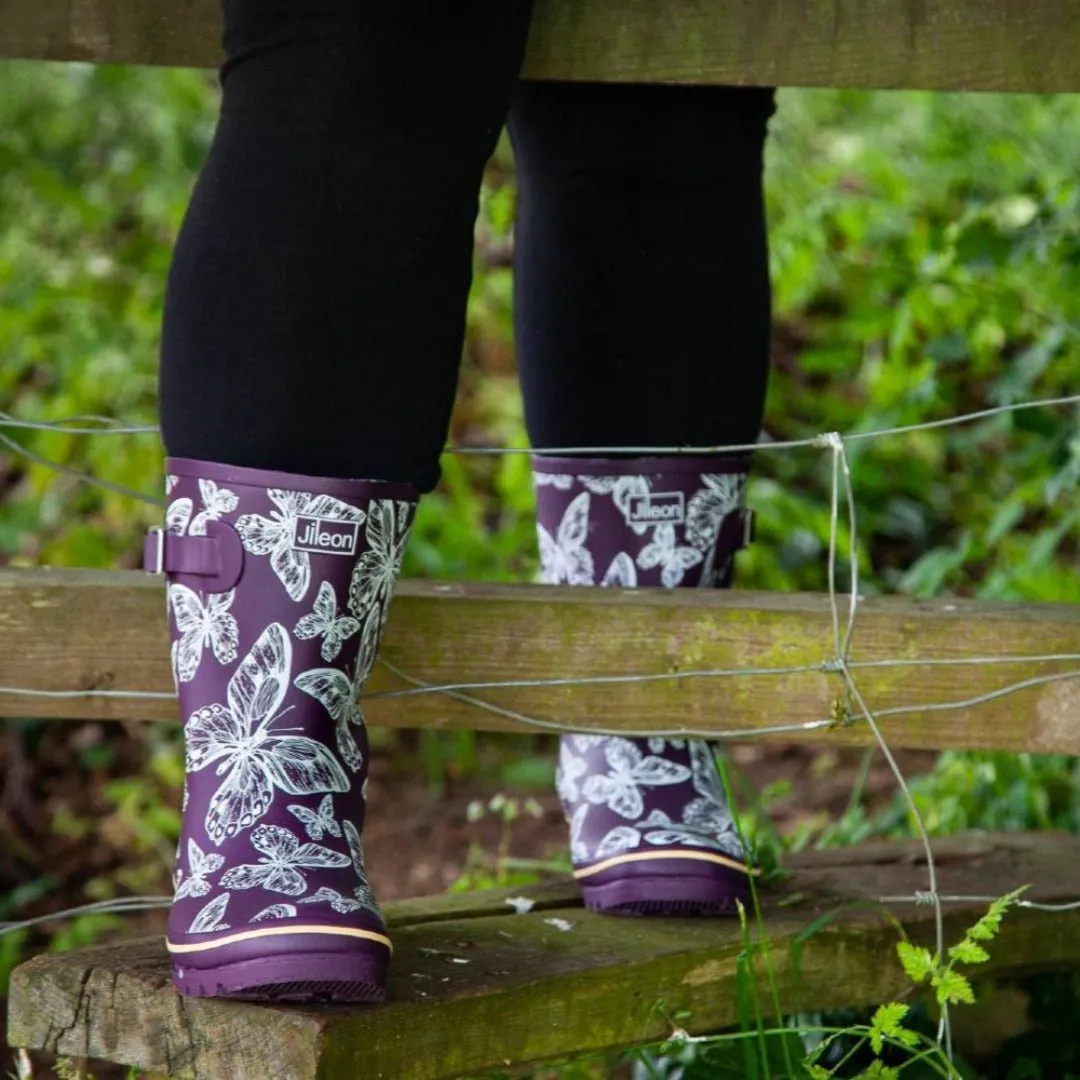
(275, 911)
(388, 526)
(709, 813)
(661, 831)
(579, 850)
(209, 918)
(341, 904)
(657, 744)
(362, 892)
(664, 552)
(721, 495)
(324, 622)
(621, 489)
(621, 838)
(200, 867)
(339, 693)
(569, 769)
(559, 481)
(216, 501)
(317, 822)
(587, 742)
(201, 625)
(274, 536)
(250, 754)
(630, 770)
(564, 557)
(283, 856)
(177, 516)
(621, 574)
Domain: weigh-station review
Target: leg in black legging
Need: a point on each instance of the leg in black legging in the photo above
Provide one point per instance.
(642, 284)
(316, 303)
(642, 295)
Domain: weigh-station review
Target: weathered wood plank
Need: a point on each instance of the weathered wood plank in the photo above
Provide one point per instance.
(530, 991)
(85, 630)
(1033, 45)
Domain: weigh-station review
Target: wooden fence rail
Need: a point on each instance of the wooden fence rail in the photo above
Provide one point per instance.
(1019, 45)
(88, 630)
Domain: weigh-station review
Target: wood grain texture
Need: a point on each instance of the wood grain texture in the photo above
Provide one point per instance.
(87, 630)
(529, 991)
(1020, 45)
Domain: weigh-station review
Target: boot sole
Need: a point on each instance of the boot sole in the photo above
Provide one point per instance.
(297, 969)
(671, 886)
(295, 980)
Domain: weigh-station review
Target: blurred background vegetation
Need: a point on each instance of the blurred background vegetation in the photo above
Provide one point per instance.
(926, 262)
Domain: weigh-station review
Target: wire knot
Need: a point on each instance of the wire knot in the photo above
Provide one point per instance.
(925, 899)
(830, 440)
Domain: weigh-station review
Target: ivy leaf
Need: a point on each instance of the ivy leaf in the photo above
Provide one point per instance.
(917, 961)
(953, 988)
(887, 1022)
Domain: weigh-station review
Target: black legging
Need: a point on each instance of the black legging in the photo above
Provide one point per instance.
(316, 303)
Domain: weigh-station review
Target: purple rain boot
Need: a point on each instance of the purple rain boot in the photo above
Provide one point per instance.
(651, 832)
(278, 590)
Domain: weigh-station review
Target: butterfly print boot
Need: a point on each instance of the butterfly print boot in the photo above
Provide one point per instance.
(651, 831)
(278, 590)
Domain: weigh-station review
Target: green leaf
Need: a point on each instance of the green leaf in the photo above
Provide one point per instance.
(953, 988)
(887, 1021)
(967, 952)
(917, 961)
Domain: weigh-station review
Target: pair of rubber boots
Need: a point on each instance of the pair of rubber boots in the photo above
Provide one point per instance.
(278, 592)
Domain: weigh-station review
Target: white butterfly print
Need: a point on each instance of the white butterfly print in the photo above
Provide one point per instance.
(621, 574)
(209, 917)
(664, 552)
(201, 625)
(275, 911)
(709, 814)
(722, 494)
(274, 536)
(356, 854)
(341, 904)
(325, 622)
(621, 838)
(621, 489)
(569, 769)
(661, 831)
(250, 754)
(282, 858)
(170, 482)
(317, 822)
(388, 526)
(564, 558)
(629, 770)
(177, 516)
(587, 742)
(200, 867)
(559, 481)
(657, 744)
(579, 851)
(216, 501)
(339, 693)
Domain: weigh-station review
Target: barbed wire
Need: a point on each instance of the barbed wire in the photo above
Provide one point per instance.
(843, 623)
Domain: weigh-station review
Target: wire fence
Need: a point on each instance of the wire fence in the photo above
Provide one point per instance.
(843, 606)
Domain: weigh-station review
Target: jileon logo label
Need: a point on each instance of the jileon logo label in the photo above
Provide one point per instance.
(657, 508)
(324, 535)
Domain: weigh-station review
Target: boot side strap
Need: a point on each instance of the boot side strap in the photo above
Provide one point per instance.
(212, 563)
